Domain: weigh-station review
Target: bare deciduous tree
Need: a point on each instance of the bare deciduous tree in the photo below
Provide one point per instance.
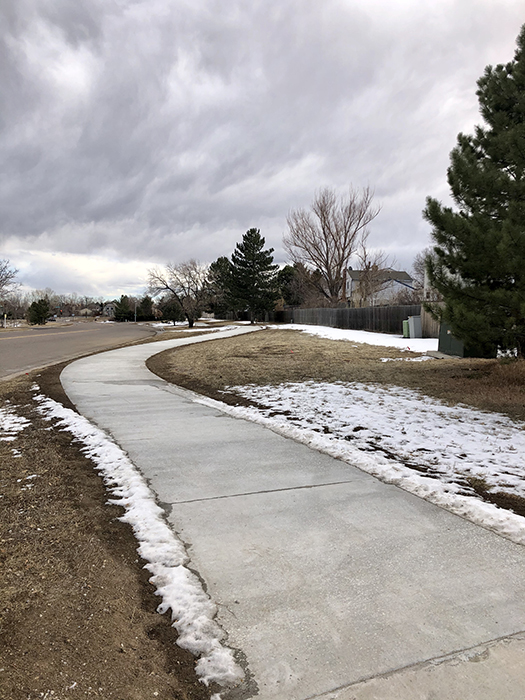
(325, 237)
(418, 267)
(187, 282)
(7, 277)
(372, 279)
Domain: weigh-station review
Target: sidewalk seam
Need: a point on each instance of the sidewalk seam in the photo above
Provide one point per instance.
(256, 493)
(432, 661)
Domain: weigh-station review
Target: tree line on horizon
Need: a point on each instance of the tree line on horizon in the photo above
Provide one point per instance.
(321, 242)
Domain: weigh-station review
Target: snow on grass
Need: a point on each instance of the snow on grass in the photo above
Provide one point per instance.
(192, 611)
(10, 423)
(421, 358)
(433, 450)
(201, 327)
(169, 324)
(381, 339)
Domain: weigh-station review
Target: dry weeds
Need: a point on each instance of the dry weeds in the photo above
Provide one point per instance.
(274, 356)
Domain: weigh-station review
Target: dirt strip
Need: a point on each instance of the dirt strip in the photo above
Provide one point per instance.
(77, 616)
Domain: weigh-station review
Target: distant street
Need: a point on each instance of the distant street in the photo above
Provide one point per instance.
(22, 350)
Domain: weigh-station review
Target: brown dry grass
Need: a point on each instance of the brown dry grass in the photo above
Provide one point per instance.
(77, 614)
(275, 356)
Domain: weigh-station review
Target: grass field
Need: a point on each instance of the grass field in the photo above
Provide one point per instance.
(273, 356)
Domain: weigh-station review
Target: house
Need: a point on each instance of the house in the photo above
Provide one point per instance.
(108, 309)
(373, 287)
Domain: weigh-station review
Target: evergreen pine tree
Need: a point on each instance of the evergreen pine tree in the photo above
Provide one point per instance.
(145, 309)
(219, 283)
(171, 310)
(478, 262)
(123, 310)
(253, 277)
(38, 312)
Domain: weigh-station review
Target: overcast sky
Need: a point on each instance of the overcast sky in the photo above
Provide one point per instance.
(137, 132)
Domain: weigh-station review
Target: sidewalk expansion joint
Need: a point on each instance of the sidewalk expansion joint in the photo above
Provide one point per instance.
(263, 491)
(468, 652)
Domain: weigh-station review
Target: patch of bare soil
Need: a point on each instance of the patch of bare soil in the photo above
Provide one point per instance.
(77, 614)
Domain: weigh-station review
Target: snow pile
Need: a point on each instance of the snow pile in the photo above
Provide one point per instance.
(192, 611)
(421, 358)
(10, 423)
(206, 329)
(381, 339)
(168, 324)
(201, 327)
(433, 450)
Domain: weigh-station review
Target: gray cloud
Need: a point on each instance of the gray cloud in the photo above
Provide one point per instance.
(157, 130)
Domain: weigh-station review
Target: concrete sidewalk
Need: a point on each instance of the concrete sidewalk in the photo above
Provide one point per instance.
(328, 582)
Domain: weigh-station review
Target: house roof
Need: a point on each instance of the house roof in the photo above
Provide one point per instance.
(383, 275)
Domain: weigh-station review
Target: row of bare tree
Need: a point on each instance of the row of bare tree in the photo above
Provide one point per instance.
(329, 234)
(332, 234)
(321, 241)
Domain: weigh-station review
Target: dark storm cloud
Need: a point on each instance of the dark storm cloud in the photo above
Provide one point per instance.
(163, 130)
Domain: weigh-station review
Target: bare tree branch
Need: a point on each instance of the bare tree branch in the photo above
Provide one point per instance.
(325, 237)
(7, 277)
(372, 279)
(186, 281)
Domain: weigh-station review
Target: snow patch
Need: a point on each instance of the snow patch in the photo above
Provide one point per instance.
(11, 423)
(201, 327)
(181, 591)
(422, 358)
(438, 452)
(381, 339)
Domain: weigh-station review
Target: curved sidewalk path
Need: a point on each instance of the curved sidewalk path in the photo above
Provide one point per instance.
(329, 582)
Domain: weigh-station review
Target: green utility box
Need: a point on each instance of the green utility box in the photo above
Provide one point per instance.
(406, 329)
(449, 345)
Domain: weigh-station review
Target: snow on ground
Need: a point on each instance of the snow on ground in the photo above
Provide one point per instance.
(170, 324)
(381, 339)
(192, 611)
(422, 358)
(201, 327)
(405, 438)
(204, 328)
(10, 423)
(400, 436)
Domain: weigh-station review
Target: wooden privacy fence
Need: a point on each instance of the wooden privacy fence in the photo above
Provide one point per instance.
(382, 319)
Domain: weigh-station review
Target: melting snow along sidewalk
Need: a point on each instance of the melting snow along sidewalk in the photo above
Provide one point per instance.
(321, 576)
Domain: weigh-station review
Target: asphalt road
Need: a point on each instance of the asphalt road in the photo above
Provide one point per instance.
(22, 350)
